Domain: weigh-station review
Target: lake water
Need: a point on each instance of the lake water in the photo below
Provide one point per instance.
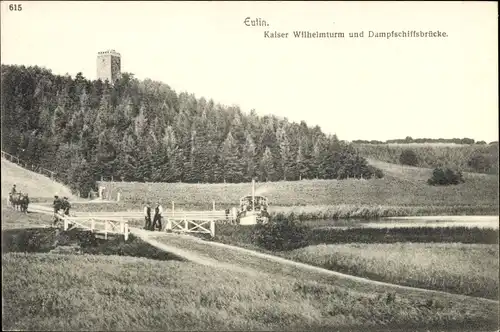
(399, 222)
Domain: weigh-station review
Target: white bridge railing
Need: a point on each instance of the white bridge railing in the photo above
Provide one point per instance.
(190, 225)
(213, 215)
(101, 225)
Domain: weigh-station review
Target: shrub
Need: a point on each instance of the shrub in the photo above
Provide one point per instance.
(280, 235)
(480, 163)
(408, 157)
(444, 177)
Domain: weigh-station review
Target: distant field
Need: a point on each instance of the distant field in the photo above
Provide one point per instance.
(432, 155)
(470, 269)
(401, 187)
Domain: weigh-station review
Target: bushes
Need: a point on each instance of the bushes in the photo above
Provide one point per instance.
(482, 163)
(444, 177)
(280, 235)
(408, 157)
(437, 155)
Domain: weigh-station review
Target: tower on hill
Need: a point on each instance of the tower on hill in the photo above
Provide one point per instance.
(108, 66)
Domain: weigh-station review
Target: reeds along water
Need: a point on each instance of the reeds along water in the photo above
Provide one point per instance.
(237, 234)
(372, 212)
(403, 234)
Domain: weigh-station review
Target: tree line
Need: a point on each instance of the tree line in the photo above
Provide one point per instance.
(409, 139)
(144, 131)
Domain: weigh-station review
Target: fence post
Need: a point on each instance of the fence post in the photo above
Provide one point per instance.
(92, 225)
(186, 226)
(118, 197)
(122, 226)
(212, 228)
(105, 229)
(65, 224)
(173, 208)
(125, 230)
(169, 224)
(213, 205)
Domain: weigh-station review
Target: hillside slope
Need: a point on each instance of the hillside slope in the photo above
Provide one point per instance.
(36, 185)
(412, 173)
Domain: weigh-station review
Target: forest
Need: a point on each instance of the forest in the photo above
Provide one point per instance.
(144, 131)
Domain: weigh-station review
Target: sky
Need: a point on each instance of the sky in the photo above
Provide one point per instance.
(357, 88)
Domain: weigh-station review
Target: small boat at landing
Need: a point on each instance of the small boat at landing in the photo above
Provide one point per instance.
(253, 209)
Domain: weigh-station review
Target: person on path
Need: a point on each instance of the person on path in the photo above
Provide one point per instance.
(24, 203)
(57, 206)
(158, 215)
(66, 206)
(147, 216)
(12, 195)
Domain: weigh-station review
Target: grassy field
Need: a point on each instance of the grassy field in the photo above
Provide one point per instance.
(403, 191)
(470, 269)
(432, 155)
(69, 292)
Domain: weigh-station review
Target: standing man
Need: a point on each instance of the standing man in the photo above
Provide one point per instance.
(57, 206)
(147, 216)
(66, 206)
(12, 194)
(158, 213)
(24, 203)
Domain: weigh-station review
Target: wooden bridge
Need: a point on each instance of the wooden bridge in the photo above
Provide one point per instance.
(118, 222)
(217, 215)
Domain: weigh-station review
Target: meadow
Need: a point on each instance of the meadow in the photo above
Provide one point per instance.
(462, 260)
(69, 292)
(431, 155)
(469, 269)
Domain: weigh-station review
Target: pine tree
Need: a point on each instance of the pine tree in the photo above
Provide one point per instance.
(266, 170)
(230, 159)
(249, 155)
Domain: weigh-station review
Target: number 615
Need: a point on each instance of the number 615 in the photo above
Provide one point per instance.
(16, 8)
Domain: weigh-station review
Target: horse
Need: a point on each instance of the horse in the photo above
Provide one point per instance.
(15, 200)
(24, 202)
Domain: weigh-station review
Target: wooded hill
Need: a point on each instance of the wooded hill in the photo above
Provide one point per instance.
(145, 131)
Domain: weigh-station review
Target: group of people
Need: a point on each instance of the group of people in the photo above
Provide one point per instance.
(60, 204)
(150, 225)
(18, 200)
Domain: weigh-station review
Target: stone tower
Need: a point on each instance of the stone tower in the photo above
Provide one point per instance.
(108, 66)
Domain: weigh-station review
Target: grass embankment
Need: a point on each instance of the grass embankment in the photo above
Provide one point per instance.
(37, 186)
(469, 269)
(402, 192)
(53, 240)
(433, 155)
(68, 292)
